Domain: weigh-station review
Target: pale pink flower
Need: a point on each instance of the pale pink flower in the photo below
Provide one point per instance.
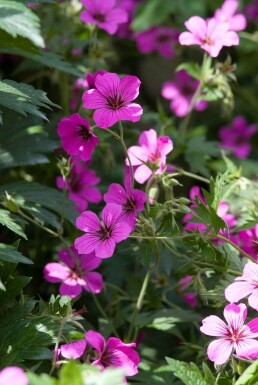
(75, 272)
(13, 375)
(245, 286)
(181, 91)
(101, 235)
(161, 39)
(226, 14)
(152, 152)
(234, 336)
(76, 136)
(114, 353)
(236, 137)
(131, 200)
(103, 13)
(112, 98)
(210, 35)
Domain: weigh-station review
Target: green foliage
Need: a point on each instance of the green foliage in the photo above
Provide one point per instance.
(189, 373)
(18, 20)
(250, 375)
(10, 254)
(7, 219)
(24, 98)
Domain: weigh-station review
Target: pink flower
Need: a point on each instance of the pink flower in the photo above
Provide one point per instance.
(153, 151)
(76, 136)
(190, 298)
(246, 285)
(81, 185)
(112, 99)
(251, 11)
(234, 336)
(160, 39)
(131, 201)
(72, 350)
(180, 92)
(101, 235)
(75, 273)
(209, 34)
(13, 375)
(236, 137)
(114, 352)
(124, 30)
(248, 241)
(226, 14)
(105, 14)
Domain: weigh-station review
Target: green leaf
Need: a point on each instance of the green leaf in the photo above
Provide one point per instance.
(250, 375)
(7, 219)
(18, 20)
(71, 374)
(189, 373)
(10, 254)
(24, 98)
(33, 144)
(43, 379)
(151, 13)
(193, 69)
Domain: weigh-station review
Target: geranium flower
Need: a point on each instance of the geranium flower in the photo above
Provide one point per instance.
(101, 235)
(112, 99)
(211, 35)
(131, 201)
(76, 136)
(153, 151)
(180, 92)
(81, 185)
(75, 272)
(160, 39)
(83, 84)
(13, 375)
(236, 137)
(226, 14)
(245, 286)
(124, 30)
(114, 353)
(233, 336)
(105, 14)
(248, 241)
(72, 350)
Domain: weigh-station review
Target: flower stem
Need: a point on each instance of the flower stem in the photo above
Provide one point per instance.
(241, 251)
(104, 314)
(139, 303)
(191, 175)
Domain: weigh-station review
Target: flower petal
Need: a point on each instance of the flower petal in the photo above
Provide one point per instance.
(70, 287)
(105, 248)
(86, 243)
(88, 222)
(214, 326)
(73, 350)
(55, 272)
(96, 340)
(219, 351)
(235, 315)
(238, 290)
(94, 282)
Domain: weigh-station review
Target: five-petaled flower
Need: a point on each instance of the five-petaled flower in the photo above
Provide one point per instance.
(104, 13)
(112, 98)
(226, 14)
(75, 272)
(114, 353)
(131, 201)
(233, 336)
(211, 35)
(76, 136)
(101, 235)
(150, 154)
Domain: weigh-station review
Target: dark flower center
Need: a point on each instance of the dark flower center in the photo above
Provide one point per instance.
(163, 38)
(100, 17)
(84, 132)
(153, 158)
(129, 206)
(105, 232)
(115, 102)
(187, 90)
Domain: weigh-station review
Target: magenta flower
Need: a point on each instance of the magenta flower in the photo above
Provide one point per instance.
(76, 136)
(189, 297)
(72, 350)
(226, 14)
(180, 92)
(211, 35)
(160, 39)
(101, 235)
(13, 375)
(81, 185)
(112, 99)
(75, 273)
(251, 11)
(105, 14)
(114, 352)
(153, 151)
(131, 201)
(245, 286)
(236, 137)
(248, 241)
(233, 336)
